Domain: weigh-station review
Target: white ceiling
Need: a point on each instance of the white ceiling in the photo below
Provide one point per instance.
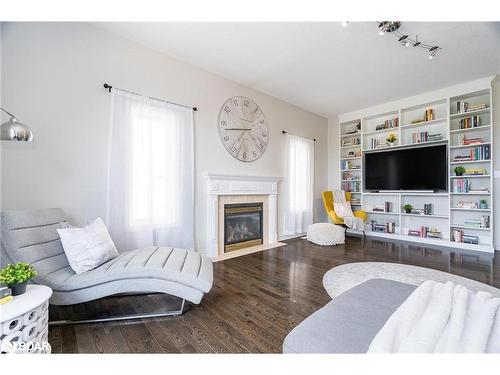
(323, 67)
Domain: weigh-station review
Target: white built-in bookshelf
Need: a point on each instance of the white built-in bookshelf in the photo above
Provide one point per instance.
(458, 215)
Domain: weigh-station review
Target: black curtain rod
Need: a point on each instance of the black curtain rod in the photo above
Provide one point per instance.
(109, 87)
(285, 132)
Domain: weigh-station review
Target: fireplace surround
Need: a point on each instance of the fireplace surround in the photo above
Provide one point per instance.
(224, 190)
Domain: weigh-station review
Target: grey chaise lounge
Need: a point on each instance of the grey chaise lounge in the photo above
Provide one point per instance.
(31, 236)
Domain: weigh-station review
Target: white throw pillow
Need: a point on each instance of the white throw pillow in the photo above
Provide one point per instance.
(343, 209)
(89, 247)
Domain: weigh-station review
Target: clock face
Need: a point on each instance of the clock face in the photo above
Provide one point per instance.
(243, 128)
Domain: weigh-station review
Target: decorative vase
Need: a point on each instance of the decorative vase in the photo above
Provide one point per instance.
(390, 144)
(483, 205)
(408, 211)
(19, 288)
(459, 173)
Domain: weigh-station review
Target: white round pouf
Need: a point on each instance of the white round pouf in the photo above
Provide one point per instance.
(326, 234)
(24, 322)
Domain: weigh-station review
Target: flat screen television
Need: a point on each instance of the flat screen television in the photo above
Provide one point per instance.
(419, 168)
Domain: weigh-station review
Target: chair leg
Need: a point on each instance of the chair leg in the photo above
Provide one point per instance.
(115, 318)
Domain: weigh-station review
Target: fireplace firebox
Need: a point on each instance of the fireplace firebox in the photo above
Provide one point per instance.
(242, 225)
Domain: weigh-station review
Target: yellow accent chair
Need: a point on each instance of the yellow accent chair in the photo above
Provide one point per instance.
(328, 203)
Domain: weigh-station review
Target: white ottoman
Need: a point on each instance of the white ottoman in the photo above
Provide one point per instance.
(326, 234)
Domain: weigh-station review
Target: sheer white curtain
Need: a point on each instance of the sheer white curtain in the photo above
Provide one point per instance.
(150, 181)
(300, 184)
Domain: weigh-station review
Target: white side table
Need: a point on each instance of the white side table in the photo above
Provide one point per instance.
(24, 322)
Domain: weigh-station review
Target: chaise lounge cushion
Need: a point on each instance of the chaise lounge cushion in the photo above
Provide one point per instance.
(163, 263)
(349, 323)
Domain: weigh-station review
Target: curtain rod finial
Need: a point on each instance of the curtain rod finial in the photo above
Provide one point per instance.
(108, 87)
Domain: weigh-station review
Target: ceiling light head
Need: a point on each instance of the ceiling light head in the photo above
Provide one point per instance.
(416, 44)
(432, 54)
(345, 23)
(381, 32)
(407, 43)
(402, 38)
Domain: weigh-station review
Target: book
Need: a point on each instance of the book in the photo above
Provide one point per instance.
(6, 299)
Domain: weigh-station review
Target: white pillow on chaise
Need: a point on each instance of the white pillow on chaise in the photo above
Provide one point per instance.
(89, 247)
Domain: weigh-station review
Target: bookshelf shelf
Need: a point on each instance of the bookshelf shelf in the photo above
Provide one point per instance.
(426, 143)
(382, 131)
(458, 226)
(470, 209)
(424, 123)
(470, 113)
(425, 216)
(350, 135)
(382, 213)
(470, 146)
(478, 193)
(472, 176)
(351, 158)
(470, 161)
(445, 122)
(482, 127)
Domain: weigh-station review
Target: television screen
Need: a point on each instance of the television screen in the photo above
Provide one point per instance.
(419, 168)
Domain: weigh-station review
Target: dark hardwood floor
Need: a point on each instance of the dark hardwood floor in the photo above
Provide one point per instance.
(256, 300)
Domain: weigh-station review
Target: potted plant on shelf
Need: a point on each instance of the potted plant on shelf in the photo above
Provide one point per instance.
(408, 207)
(459, 170)
(16, 276)
(391, 139)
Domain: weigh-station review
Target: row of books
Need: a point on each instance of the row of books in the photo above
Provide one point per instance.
(469, 122)
(419, 137)
(461, 185)
(475, 171)
(388, 124)
(356, 141)
(463, 106)
(349, 176)
(386, 207)
(464, 141)
(5, 295)
(483, 222)
(348, 164)
(389, 227)
(477, 153)
(458, 235)
(470, 205)
(424, 232)
(351, 186)
(375, 143)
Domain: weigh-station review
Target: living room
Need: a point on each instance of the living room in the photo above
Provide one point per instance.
(249, 187)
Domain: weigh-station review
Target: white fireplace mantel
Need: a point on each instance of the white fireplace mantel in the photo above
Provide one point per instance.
(222, 184)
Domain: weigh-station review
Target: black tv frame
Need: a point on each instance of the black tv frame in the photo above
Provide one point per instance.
(402, 148)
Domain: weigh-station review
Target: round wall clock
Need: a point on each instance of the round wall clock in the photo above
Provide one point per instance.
(243, 128)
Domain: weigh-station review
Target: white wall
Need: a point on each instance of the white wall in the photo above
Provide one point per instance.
(52, 76)
(333, 153)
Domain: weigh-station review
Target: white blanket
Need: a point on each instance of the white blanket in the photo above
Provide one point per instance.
(343, 210)
(442, 318)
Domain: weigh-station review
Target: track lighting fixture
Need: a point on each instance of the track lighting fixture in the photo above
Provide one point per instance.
(405, 39)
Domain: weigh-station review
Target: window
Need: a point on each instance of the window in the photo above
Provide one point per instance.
(154, 166)
(299, 182)
(150, 189)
